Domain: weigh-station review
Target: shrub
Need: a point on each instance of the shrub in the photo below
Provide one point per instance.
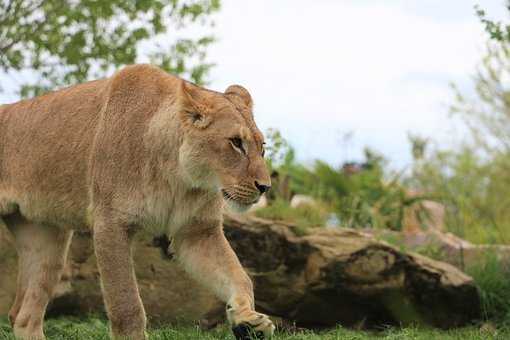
(493, 279)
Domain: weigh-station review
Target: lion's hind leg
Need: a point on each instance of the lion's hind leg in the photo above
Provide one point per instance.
(42, 252)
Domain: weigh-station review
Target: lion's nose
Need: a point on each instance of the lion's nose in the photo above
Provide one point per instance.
(262, 188)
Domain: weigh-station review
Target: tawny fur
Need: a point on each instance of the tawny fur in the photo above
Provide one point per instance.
(142, 149)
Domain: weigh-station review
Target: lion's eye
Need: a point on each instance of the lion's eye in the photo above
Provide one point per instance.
(238, 144)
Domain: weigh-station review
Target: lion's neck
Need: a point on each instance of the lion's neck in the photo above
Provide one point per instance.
(172, 196)
(171, 205)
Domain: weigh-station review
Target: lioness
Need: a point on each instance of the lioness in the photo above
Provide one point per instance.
(142, 149)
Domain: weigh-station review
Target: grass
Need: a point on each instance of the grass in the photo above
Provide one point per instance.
(493, 279)
(96, 328)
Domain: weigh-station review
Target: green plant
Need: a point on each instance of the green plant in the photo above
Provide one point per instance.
(360, 197)
(279, 151)
(493, 278)
(497, 31)
(364, 198)
(64, 42)
(474, 191)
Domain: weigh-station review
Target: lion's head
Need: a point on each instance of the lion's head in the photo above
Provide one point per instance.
(222, 147)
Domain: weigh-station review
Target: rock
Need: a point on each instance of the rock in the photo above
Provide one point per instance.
(318, 280)
(345, 276)
(446, 246)
(424, 214)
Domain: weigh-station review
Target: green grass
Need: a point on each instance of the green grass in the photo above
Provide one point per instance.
(96, 328)
(493, 279)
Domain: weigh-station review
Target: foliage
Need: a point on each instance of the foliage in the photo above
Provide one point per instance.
(97, 329)
(496, 30)
(493, 280)
(63, 42)
(278, 150)
(359, 194)
(473, 190)
(362, 199)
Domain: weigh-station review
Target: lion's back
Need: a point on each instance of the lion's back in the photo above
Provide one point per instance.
(54, 148)
(45, 145)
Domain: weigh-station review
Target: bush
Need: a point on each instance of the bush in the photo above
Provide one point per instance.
(359, 194)
(493, 280)
(474, 191)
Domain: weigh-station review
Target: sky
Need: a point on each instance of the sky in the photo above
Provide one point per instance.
(376, 70)
(371, 69)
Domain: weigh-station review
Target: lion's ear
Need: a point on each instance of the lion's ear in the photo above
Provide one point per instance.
(239, 93)
(193, 112)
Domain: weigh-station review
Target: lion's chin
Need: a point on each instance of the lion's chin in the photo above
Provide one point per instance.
(237, 207)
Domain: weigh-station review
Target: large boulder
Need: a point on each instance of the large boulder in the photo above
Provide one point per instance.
(319, 279)
(348, 277)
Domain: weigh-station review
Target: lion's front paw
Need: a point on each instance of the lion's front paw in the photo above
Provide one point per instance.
(249, 324)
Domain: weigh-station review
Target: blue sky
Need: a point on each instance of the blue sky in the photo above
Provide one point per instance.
(321, 69)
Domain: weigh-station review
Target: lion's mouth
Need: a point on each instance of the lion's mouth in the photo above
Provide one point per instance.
(237, 203)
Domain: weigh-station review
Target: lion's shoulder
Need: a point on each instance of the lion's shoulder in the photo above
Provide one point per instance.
(141, 77)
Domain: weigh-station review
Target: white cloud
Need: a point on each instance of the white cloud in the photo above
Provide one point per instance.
(320, 68)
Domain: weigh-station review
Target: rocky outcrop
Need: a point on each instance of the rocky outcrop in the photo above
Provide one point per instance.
(317, 280)
(331, 276)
